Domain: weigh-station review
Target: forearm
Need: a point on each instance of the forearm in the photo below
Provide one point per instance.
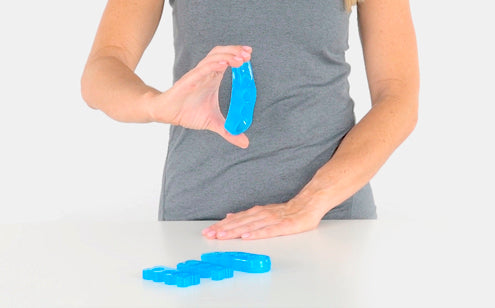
(362, 152)
(109, 85)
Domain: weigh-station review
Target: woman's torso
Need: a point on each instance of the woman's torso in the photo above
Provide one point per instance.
(303, 108)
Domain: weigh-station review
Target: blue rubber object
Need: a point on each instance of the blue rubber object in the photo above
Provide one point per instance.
(154, 273)
(239, 261)
(206, 270)
(242, 99)
(213, 265)
(171, 276)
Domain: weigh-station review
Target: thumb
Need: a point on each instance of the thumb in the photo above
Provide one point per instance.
(217, 126)
(241, 140)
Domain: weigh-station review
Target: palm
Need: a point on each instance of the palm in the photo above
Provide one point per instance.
(200, 108)
(192, 102)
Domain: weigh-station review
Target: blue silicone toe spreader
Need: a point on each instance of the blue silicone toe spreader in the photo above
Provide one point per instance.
(171, 276)
(213, 265)
(206, 270)
(242, 99)
(239, 261)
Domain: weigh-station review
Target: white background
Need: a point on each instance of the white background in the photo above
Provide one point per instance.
(61, 160)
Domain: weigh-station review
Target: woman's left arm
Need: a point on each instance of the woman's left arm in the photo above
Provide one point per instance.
(390, 54)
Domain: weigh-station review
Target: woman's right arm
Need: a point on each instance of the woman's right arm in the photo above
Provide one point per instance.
(109, 82)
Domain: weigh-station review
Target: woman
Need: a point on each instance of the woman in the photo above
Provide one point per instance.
(305, 159)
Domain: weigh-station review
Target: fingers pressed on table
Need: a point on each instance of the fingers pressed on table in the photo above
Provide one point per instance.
(244, 220)
(245, 229)
(232, 220)
(238, 219)
(256, 222)
(243, 224)
(266, 232)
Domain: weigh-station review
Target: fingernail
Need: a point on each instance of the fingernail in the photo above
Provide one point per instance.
(245, 235)
(211, 233)
(238, 58)
(205, 231)
(247, 48)
(221, 234)
(245, 54)
(222, 62)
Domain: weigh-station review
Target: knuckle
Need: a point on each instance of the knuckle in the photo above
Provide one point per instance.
(272, 215)
(214, 49)
(286, 222)
(192, 86)
(207, 70)
(252, 226)
(203, 61)
(200, 68)
(215, 67)
(266, 232)
(258, 234)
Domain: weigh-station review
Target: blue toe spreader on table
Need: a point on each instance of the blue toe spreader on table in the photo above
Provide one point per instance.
(242, 99)
(171, 276)
(213, 265)
(206, 270)
(239, 261)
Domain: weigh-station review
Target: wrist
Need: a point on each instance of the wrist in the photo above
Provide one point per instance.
(316, 198)
(161, 107)
(149, 100)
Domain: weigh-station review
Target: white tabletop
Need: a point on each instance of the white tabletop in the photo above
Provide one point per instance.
(341, 264)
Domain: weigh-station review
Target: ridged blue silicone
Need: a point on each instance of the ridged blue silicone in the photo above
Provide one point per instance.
(171, 276)
(239, 261)
(214, 265)
(206, 270)
(242, 99)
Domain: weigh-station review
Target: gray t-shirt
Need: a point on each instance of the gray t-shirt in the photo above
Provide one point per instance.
(303, 108)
